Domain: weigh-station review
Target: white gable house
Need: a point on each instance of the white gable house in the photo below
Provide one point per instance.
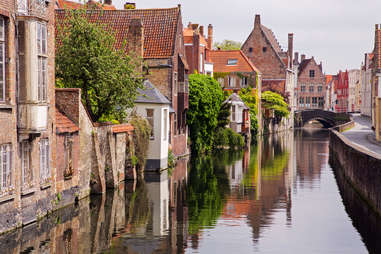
(154, 106)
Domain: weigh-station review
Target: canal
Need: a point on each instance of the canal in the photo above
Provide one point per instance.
(280, 196)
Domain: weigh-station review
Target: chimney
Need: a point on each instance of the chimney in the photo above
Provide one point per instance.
(257, 20)
(210, 36)
(290, 47)
(377, 47)
(128, 6)
(303, 57)
(296, 57)
(201, 29)
(194, 27)
(135, 37)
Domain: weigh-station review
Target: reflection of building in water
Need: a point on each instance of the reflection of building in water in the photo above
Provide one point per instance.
(312, 152)
(158, 196)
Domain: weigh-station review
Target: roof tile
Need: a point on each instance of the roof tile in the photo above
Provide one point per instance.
(220, 58)
(64, 124)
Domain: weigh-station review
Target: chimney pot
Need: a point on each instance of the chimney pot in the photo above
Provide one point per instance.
(303, 57)
(257, 20)
(201, 30)
(376, 26)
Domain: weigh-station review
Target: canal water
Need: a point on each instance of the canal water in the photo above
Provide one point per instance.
(280, 196)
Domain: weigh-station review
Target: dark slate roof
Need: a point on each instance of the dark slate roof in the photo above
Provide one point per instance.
(235, 98)
(150, 94)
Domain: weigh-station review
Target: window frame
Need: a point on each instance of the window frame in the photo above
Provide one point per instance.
(42, 61)
(152, 124)
(232, 61)
(231, 81)
(6, 167)
(312, 73)
(165, 119)
(2, 59)
(25, 150)
(45, 174)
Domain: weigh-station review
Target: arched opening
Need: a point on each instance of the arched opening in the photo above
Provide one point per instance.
(318, 122)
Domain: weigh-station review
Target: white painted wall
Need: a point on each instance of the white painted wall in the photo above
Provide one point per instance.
(158, 147)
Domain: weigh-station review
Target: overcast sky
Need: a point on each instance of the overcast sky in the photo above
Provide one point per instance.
(336, 32)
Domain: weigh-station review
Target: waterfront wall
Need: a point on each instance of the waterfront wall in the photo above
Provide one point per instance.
(361, 167)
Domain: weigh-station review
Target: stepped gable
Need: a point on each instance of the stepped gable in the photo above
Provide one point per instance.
(160, 26)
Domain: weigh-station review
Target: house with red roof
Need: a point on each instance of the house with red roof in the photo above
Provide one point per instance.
(157, 36)
(234, 71)
(342, 92)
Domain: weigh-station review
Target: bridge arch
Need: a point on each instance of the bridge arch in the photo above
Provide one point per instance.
(327, 118)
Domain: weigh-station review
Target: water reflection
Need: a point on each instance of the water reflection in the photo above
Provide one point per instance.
(277, 197)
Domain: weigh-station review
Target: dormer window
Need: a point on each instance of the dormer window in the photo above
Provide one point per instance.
(232, 61)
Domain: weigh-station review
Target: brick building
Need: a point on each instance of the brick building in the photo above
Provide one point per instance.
(278, 73)
(366, 81)
(197, 47)
(342, 92)
(311, 85)
(27, 112)
(264, 51)
(157, 36)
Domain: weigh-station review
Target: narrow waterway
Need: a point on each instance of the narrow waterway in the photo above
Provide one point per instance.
(280, 196)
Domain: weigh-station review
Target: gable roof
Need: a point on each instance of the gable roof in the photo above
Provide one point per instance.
(67, 4)
(220, 58)
(160, 27)
(64, 124)
(150, 94)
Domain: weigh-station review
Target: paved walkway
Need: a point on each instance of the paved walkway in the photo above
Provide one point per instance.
(362, 134)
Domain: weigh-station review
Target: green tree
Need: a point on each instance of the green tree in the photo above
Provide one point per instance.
(86, 58)
(275, 101)
(205, 99)
(249, 97)
(227, 45)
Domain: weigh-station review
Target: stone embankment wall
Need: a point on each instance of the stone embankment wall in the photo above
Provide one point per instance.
(361, 167)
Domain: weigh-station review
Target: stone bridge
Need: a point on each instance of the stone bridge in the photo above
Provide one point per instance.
(327, 118)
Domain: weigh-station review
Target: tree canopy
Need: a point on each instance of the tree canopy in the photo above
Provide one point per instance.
(227, 45)
(205, 99)
(86, 58)
(275, 101)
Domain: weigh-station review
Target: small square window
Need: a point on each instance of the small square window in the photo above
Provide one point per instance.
(312, 73)
(264, 49)
(250, 49)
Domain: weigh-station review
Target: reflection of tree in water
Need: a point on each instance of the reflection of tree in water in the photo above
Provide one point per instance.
(137, 209)
(208, 185)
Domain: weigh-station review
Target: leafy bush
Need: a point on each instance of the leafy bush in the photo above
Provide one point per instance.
(220, 138)
(227, 137)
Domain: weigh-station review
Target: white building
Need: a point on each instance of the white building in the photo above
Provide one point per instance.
(366, 89)
(154, 106)
(239, 115)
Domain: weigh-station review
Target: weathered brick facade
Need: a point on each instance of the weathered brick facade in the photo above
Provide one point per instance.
(311, 85)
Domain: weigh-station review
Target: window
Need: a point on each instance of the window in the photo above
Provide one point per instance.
(311, 88)
(42, 62)
(232, 61)
(231, 81)
(44, 160)
(244, 81)
(201, 63)
(264, 49)
(165, 119)
(320, 88)
(303, 88)
(150, 119)
(2, 59)
(22, 6)
(6, 166)
(308, 101)
(68, 156)
(233, 113)
(314, 100)
(250, 49)
(312, 73)
(175, 83)
(301, 100)
(27, 176)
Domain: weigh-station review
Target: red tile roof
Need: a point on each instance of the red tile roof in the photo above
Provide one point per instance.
(120, 128)
(160, 27)
(220, 58)
(67, 4)
(64, 124)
